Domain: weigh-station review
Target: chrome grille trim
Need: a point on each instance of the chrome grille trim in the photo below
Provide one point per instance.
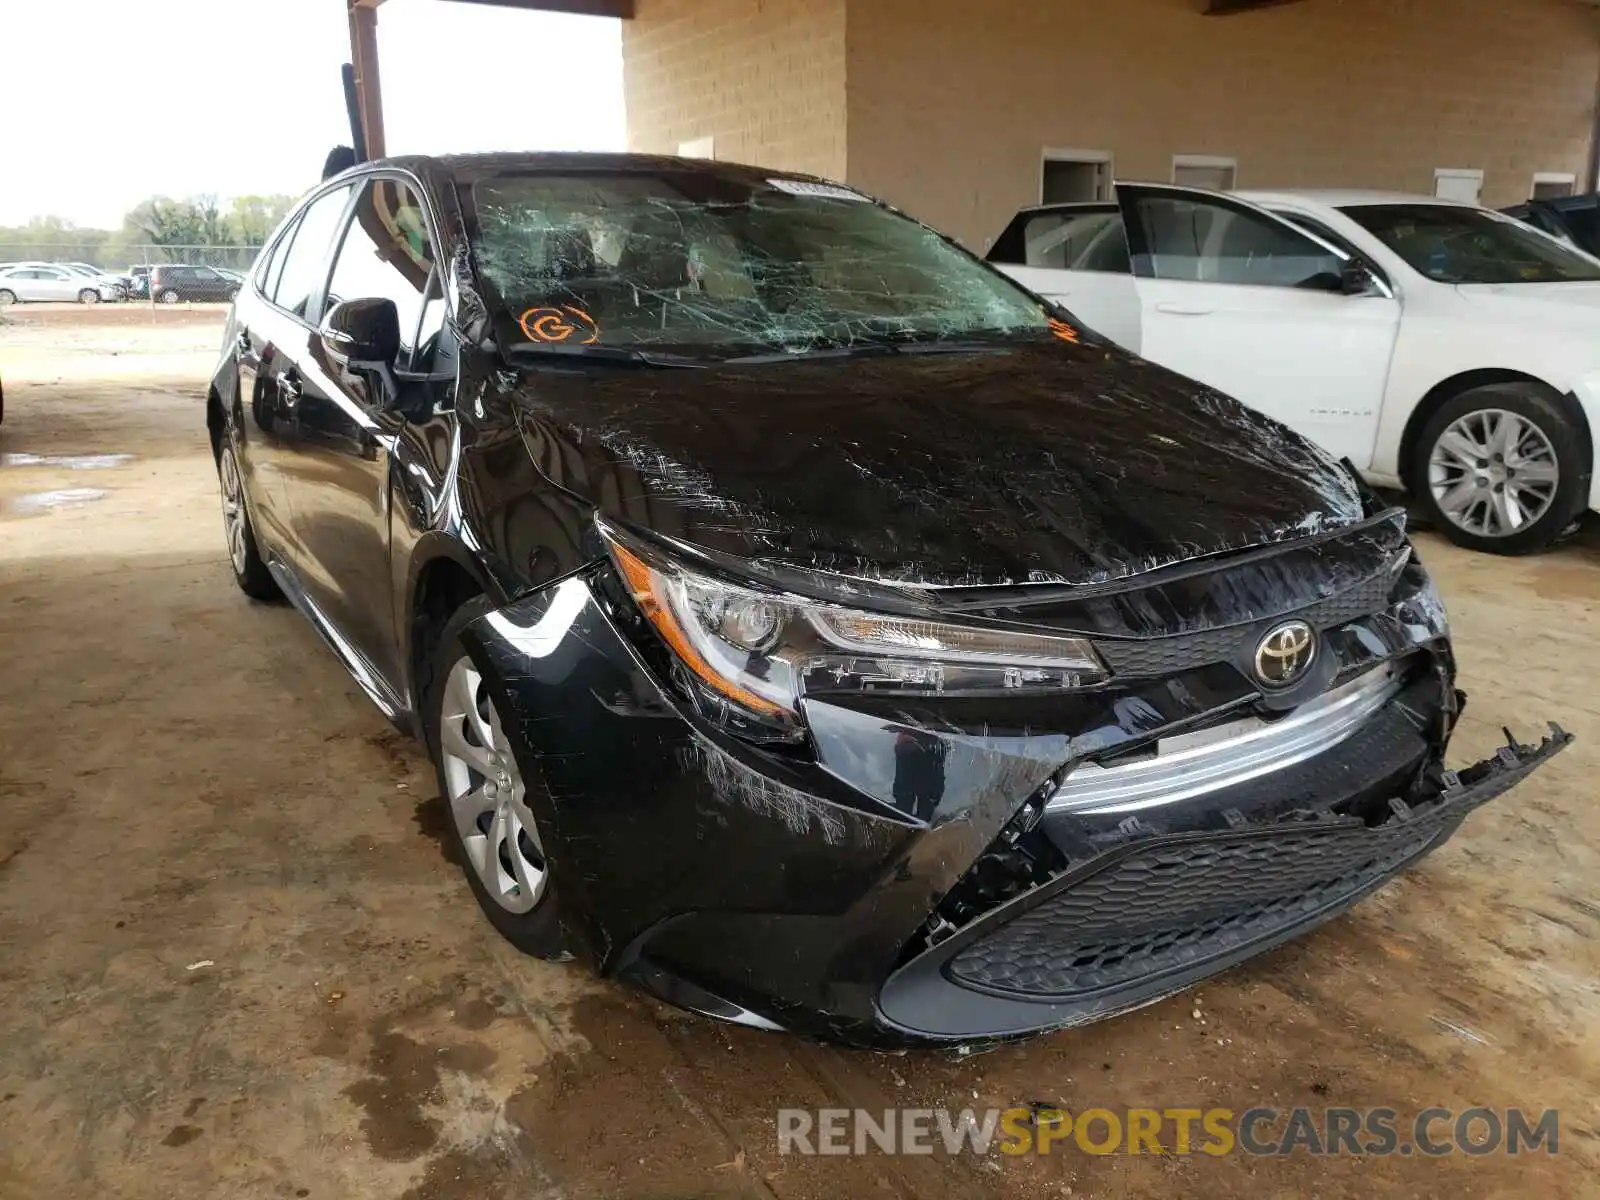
(1193, 764)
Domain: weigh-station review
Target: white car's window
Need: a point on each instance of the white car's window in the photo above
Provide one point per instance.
(1457, 244)
(1203, 241)
(1076, 241)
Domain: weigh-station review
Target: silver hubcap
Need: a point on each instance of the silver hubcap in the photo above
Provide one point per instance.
(233, 519)
(487, 798)
(1493, 473)
(170, 298)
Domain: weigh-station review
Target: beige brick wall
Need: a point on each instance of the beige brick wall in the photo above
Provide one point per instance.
(764, 78)
(951, 103)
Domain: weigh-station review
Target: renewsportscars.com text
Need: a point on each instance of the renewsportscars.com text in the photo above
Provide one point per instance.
(1364, 1132)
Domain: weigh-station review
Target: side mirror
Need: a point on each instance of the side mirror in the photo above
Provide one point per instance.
(1357, 279)
(362, 335)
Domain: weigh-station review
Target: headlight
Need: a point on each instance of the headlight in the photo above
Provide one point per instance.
(752, 656)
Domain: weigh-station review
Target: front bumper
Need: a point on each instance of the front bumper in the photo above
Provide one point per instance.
(906, 879)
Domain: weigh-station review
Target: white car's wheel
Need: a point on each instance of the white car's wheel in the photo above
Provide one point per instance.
(7, 297)
(1501, 468)
(88, 296)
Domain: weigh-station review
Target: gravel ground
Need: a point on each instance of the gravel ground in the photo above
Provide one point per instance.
(235, 962)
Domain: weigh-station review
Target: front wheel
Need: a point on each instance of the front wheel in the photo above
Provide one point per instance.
(249, 570)
(1502, 468)
(169, 297)
(494, 832)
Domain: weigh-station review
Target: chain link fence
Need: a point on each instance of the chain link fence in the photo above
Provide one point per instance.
(118, 258)
(35, 271)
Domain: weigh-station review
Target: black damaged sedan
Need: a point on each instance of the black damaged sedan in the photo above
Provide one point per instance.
(807, 623)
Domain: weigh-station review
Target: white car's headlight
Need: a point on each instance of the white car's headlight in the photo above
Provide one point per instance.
(763, 652)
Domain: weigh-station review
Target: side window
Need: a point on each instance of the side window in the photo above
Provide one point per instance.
(388, 253)
(1203, 241)
(273, 274)
(1076, 241)
(305, 262)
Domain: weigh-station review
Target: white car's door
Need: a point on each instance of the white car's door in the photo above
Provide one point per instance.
(24, 283)
(1237, 297)
(52, 283)
(1076, 255)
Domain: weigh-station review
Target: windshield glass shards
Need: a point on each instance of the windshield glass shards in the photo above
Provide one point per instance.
(715, 266)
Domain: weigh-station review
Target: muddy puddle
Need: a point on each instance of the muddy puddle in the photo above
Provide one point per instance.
(67, 462)
(34, 504)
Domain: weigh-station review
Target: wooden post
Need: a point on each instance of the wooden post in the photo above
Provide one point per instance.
(364, 56)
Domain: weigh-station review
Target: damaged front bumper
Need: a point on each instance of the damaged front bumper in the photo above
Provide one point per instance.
(926, 872)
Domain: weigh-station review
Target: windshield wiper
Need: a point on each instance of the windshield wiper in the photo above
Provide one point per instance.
(873, 344)
(602, 355)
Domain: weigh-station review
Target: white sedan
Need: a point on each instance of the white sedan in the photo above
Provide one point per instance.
(1440, 347)
(40, 281)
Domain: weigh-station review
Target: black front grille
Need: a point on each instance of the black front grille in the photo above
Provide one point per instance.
(1178, 902)
(1132, 657)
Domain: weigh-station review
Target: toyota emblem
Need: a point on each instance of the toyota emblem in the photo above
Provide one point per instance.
(1285, 654)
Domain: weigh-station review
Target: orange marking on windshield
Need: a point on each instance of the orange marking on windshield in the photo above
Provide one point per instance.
(565, 324)
(1064, 331)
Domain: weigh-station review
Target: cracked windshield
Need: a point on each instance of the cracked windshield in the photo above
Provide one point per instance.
(708, 267)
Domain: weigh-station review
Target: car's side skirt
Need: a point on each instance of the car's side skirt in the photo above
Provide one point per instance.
(370, 679)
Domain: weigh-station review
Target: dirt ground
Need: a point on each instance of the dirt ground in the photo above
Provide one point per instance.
(234, 961)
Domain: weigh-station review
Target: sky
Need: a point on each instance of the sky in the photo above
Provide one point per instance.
(245, 97)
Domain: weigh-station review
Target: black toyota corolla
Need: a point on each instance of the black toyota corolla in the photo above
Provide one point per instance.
(809, 624)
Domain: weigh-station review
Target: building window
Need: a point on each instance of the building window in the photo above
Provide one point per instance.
(1552, 185)
(1075, 176)
(1458, 183)
(1205, 171)
(703, 147)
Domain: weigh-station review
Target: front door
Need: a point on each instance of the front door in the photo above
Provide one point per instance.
(348, 421)
(1242, 300)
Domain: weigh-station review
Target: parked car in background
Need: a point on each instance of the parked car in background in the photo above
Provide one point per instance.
(172, 282)
(30, 282)
(1438, 346)
(804, 621)
(117, 283)
(1573, 219)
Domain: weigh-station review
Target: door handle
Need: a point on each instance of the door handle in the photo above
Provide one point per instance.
(1182, 310)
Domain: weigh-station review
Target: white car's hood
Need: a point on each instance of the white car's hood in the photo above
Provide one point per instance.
(1574, 305)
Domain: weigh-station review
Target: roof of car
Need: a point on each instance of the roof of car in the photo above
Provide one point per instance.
(502, 163)
(1345, 197)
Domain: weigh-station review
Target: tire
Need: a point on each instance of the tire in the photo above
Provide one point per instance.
(88, 296)
(169, 297)
(7, 297)
(1511, 503)
(449, 678)
(249, 570)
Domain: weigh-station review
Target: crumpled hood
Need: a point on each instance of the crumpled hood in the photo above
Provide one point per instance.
(1036, 463)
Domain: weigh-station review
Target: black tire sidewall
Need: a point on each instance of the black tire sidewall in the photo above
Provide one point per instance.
(1534, 403)
(537, 932)
(255, 580)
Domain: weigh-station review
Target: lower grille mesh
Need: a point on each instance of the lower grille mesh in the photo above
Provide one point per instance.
(1174, 903)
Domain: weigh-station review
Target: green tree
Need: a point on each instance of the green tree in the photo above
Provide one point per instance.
(252, 218)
